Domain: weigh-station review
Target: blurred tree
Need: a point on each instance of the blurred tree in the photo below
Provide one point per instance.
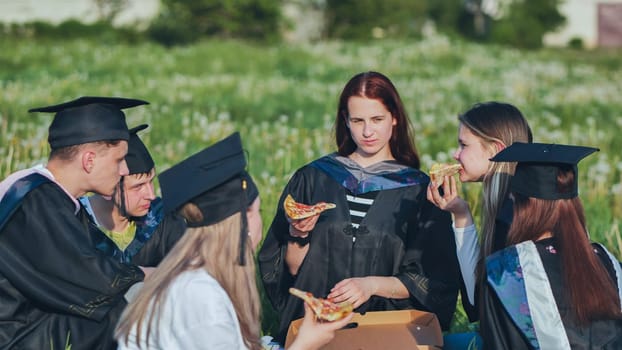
(525, 22)
(445, 13)
(109, 9)
(364, 19)
(520, 23)
(184, 21)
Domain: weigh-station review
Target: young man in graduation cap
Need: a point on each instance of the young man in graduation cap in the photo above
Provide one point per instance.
(550, 288)
(56, 288)
(130, 217)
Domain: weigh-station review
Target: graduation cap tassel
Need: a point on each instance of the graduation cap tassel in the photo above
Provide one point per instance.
(243, 226)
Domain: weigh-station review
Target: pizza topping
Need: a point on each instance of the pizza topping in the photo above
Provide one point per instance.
(299, 211)
(324, 309)
(438, 172)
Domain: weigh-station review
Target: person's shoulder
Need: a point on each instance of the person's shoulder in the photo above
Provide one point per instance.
(198, 290)
(409, 178)
(156, 209)
(316, 166)
(197, 283)
(508, 257)
(325, 160)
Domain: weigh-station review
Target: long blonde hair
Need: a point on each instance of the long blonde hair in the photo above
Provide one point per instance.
(214, 248)
(495, 123)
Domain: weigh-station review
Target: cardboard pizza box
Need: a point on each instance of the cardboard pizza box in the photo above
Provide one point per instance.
(403, 329)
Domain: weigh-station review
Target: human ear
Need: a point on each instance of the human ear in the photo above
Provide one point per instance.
(88, 161)
(499, 146)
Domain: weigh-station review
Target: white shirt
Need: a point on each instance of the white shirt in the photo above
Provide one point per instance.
(196, 313)
(467, 250)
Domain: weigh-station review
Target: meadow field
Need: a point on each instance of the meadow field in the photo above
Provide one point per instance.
(282, 99)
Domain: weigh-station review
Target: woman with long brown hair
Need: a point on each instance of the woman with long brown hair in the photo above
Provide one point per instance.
(484, 129)
(384, 247)
(204, 293)
(550, 288)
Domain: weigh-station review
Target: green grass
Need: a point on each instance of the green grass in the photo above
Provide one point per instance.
(283, 98)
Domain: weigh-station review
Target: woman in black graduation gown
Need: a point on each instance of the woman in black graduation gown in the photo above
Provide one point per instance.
(550, 288)
(384, 246)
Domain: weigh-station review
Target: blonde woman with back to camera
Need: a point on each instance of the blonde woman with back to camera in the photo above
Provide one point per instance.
(204, 294)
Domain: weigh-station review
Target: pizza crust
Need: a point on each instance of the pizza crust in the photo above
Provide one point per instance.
(438, 171)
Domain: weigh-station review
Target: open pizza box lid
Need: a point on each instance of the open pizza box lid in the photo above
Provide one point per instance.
(403, 329)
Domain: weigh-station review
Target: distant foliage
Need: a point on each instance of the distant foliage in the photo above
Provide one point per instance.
(365, 19)
(109, 9)
(185, 21)
(519, 23)
(575, 43)
(526, 22)
(102, 31)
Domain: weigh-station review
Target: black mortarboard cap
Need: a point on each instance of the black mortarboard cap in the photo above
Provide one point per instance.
(202, 172)
(88, 119)
(215, 181)
(138, 159)
(538, 165)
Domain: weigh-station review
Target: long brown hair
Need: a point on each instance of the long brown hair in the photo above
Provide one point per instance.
(494, 123)
(590, 288)
(374, 85)
(214, 248)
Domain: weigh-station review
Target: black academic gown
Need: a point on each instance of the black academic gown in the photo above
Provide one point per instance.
(55, 287)
(500, 331)
(402, 235)
(166, 235)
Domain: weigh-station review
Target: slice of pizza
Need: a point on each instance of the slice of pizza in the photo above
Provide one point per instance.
(324, 309)
(299, 211)
(438, 171)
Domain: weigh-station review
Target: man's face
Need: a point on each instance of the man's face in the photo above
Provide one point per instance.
(139, 192)
(109, 167)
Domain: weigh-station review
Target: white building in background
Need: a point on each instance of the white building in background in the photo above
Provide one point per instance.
(56, 11)
(595, 22)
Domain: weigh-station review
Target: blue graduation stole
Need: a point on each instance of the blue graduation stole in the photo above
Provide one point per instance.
(16, 193)
(517, 276)
(386, 181)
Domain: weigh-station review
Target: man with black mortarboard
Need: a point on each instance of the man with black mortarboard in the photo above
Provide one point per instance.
(550, 288)
(128, 219)
(56, 289)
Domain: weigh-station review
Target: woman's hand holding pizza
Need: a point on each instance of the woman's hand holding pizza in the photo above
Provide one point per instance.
(355, 290)
(314, 334)
(450, 201)
(302, 227)
(303, 217)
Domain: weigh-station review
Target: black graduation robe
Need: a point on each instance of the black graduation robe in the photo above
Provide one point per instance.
(502, 328)
(56, 288)
(164, 238)
(402, 235)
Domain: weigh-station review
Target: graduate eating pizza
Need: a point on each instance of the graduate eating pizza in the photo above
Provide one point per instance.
(369, 250)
